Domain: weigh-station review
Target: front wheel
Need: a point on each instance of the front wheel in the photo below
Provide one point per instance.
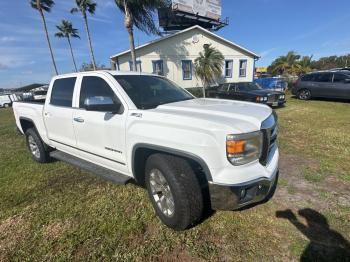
(304, 94)
(174, 191)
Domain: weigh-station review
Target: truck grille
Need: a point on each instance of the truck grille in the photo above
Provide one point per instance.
(270, 130)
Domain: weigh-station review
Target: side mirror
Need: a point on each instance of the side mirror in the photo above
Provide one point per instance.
(102, 104)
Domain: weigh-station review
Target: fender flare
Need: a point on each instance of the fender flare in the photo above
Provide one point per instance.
(172, 151)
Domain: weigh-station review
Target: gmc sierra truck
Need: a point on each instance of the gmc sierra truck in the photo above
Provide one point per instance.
(135, 127)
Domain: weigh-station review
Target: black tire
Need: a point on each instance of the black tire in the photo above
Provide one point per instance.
(42, 150)
(304, 94)
(185, 190)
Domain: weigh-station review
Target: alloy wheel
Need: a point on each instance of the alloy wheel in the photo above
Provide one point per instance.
(161, 193)
(34, 149)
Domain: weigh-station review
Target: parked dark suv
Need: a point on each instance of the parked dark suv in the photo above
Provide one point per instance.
(328, 84)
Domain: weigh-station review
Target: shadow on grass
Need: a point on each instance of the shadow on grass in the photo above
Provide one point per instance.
(339, 100)
(325, 244)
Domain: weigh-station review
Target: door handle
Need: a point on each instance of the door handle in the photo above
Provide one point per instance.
(47, 114)
(78, 119)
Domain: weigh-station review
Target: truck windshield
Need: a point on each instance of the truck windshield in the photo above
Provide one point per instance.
(151, 91)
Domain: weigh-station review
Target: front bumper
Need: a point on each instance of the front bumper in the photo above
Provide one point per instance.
(276, 103)
(231, 197)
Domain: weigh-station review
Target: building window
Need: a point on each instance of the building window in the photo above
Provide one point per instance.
(186, 69)
(138, 66)
(158, 67)
(228, 68)
(242, 68)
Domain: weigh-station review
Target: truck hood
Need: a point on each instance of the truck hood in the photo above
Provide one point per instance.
(219, 113)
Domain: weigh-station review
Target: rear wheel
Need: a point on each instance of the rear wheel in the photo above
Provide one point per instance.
(304, 94)
(174, 191)
(36, 146)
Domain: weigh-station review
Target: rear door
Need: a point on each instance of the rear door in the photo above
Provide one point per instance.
(58, 112)
(100, 134)
(341, 85)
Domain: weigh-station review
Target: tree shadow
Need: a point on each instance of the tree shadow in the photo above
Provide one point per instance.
(325, 244)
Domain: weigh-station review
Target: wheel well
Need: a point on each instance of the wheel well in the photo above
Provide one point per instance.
(26, 124)
(141, 155)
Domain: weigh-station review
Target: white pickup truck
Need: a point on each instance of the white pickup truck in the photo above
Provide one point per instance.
(188, 152)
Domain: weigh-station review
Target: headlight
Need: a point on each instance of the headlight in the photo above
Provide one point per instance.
(260, 99)
(281, 96)
(244, 148)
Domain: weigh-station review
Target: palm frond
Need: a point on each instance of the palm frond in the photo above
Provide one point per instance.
(66, 30)
(45, 5)
(143, 13)
(208, 65)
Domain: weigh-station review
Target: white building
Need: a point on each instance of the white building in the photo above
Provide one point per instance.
(173, 56)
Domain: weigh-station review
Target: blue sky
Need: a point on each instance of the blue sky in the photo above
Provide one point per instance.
(267, 27)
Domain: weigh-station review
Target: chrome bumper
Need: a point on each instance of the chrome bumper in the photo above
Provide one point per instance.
(231, 197)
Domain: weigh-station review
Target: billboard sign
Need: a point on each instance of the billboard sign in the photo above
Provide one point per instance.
(206, 8)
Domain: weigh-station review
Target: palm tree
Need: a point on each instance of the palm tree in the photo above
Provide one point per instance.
(208, 66)
(305, 65)
(86, 6)
(286, 64)
(45, 6)
(66, 30)
(139, 13)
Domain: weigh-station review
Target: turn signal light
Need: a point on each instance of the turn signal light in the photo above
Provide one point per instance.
(235, 147)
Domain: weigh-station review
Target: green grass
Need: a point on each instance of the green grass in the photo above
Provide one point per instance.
(58, 212)
(318, 130)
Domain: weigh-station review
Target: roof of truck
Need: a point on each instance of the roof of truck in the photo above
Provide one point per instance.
(112, 72)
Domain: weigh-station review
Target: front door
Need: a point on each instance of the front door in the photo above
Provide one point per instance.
(341, 86)
(100, 133)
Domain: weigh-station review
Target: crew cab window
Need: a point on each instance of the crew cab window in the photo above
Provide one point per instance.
(340, 78)
(93, 86)
(62, 92)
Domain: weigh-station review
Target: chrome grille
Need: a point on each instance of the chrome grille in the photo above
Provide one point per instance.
(270, 130)
(272, 98)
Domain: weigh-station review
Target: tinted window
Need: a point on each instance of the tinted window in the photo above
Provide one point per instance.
(247, 86)
(93, 86)
(325, 77)
(223, 87)
(309, 77)
(340, 78)
(150, 91)
(62, 92)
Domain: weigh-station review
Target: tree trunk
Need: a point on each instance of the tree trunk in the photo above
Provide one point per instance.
(89, 41)
(47, 37)
(132, 48)
(71, 52)
(204, 90)
(129, 27)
